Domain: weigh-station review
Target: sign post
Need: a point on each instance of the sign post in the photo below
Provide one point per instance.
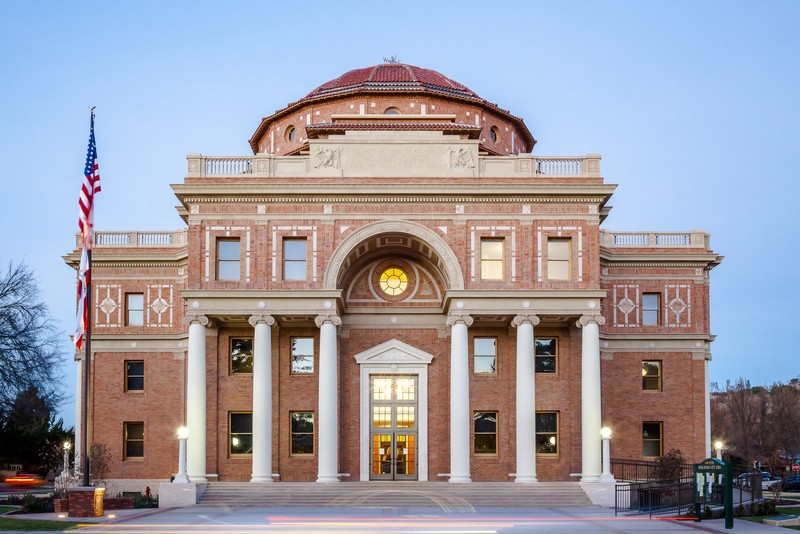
(712, 476)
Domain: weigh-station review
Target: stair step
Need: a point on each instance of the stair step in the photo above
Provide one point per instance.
(395, 494)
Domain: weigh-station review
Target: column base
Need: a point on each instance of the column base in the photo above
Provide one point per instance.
(460, 479)
(591, 479)
(327, 479)
(195, 479)
(181, 479)
(607, 479)
(526, 480)
(261, 479)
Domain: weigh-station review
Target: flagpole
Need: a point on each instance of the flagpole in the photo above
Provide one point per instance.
(87, 357)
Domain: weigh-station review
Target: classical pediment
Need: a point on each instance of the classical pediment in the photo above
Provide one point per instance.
(393, 351)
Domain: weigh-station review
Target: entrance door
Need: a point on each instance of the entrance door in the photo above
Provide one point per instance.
(393, 427)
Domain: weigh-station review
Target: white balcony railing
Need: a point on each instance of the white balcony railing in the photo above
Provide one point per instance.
(269, 165)
(138, 239)
(695, 239)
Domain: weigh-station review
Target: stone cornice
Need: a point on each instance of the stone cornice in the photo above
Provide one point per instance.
(395, 199)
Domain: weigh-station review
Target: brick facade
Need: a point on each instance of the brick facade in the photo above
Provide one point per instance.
(435, 211)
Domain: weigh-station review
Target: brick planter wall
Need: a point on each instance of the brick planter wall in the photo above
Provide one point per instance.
(121, 503)
(86, 502)
(61, 505)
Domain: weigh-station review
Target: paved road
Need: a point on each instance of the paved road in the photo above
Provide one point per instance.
(207, 519)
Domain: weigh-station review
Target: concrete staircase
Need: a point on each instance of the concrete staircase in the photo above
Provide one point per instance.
(401, 494)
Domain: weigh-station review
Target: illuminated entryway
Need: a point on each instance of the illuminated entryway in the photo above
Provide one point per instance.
(393, 431)
(394, 412)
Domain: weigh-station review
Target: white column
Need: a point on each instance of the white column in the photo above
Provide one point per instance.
(78, 415)
(196, 399)
(460, 414)
(328, 409)
(526, 399)
(590, 397)
(262, 398)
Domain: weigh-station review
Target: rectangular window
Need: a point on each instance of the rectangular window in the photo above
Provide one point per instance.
(134, 375)
(485, 432)
(134, 309)
(294, 259)
(241, 355)
(547, 433)
(492, 259)
(485, 355)
(240, 434)
(546, 354)
(134, 440)
(228, 262)
(652, 433)
(302, 355)
(651, 375)
(558, 259)
(302, 432)
(651, 304)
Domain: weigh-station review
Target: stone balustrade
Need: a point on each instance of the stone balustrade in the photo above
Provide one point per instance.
(137, 239)
(694, 239)
(269, 165)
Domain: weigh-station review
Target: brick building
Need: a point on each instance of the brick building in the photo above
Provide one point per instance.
(394, 287)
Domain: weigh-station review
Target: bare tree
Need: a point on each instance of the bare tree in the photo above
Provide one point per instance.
(745, 412)
(31, 348)
(785, 418)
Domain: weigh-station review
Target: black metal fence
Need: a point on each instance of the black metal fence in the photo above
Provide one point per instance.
(639, 494)
(642, 470)
(655, 498)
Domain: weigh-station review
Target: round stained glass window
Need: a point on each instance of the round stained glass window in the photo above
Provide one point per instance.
(393, 281)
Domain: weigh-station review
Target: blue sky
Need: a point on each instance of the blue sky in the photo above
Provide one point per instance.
(693, 106)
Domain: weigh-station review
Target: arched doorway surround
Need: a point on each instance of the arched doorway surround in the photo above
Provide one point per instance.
(440, 252)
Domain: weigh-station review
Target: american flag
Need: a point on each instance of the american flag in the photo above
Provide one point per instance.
(91, 185)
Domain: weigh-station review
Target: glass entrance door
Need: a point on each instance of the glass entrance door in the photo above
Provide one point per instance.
(393, 427)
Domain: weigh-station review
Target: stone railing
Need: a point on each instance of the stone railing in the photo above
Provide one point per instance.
(556, 165)
(694, 239)
(138, 239)
(269, 165)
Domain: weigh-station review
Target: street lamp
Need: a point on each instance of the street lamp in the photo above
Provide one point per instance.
(606, 477)
(718, 447)
(181, 477)
(66, 456)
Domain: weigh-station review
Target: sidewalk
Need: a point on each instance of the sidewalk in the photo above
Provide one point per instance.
(202, 519)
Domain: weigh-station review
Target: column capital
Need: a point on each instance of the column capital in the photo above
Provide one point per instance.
(520, 319)
(199, 319)
(266, 319)
(586, 319)
(320, 320)
(459, 318)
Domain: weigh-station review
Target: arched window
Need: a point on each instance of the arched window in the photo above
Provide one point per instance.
(392, 111)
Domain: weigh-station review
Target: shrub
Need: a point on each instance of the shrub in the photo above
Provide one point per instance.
(669, 467)
(144, 501)
(99, 463)
(33, 505)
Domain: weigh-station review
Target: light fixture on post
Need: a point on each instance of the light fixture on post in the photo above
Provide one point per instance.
(181, 477)
(67, 446)
(606, 477)
(718, 447)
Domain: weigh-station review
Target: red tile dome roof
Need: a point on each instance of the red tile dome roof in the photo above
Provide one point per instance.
(389, 79)
(392, 77)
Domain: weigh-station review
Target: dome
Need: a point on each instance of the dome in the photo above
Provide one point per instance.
(408, 84)
(392, 77)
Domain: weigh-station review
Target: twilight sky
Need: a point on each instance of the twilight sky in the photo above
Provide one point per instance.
(692, 104)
